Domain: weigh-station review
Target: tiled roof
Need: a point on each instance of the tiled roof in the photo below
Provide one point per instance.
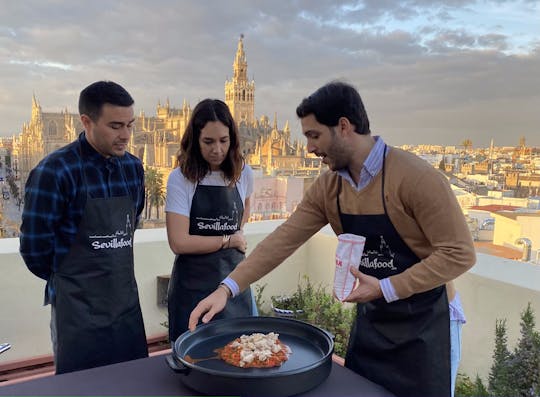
(501, 251)
(494, 207)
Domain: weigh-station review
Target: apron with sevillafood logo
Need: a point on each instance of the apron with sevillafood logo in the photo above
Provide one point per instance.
(215, 211)
(96, 315)
(404, 345)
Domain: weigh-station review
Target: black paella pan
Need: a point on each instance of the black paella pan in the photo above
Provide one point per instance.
(308, 365)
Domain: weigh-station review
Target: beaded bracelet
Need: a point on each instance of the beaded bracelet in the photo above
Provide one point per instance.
(226, 241)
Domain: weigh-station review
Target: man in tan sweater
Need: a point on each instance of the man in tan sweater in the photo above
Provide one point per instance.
(417, 242)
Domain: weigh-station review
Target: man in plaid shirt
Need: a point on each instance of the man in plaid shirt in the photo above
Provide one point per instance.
(82, 206)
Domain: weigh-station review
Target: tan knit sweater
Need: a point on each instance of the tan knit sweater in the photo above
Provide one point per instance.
(420, 204)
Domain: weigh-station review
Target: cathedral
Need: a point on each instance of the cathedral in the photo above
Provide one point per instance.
(156, 139)
(43, 134)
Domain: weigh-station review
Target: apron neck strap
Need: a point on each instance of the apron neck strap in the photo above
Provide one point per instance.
(382, 185)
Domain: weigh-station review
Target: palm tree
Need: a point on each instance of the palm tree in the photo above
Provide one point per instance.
(154, 191)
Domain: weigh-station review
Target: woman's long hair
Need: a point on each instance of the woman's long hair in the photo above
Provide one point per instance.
(190, 160)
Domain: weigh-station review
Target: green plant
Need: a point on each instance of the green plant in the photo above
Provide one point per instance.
(465, 387)
(322, 310)
(525, 362)
(286, 302)
(514, 373)
(259, 300)
(499, 375)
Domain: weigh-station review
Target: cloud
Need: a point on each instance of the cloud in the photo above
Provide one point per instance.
(426, 72)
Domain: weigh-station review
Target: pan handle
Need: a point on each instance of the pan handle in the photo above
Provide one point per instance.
(176, 365)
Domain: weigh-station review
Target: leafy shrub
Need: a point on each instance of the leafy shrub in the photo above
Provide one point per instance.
(318, 308)
(465, 387)
(286, 302)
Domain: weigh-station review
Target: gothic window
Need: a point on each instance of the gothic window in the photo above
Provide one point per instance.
(52, 130)
(243, 95)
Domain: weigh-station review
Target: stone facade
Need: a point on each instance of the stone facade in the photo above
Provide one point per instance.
(43, 134)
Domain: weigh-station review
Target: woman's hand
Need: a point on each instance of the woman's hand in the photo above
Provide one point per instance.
(238, 241)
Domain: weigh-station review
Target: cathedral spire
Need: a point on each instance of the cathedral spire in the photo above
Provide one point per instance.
(239, 92)
(36, 109)
(240, 63)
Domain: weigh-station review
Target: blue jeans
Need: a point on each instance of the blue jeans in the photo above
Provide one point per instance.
(455, 350)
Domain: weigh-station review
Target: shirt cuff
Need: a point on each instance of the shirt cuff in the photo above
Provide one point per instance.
(232, 285)
(388, 290)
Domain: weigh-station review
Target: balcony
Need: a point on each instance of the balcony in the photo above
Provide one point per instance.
(494, 288)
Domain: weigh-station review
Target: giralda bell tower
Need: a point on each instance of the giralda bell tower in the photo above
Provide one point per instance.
(239, 92)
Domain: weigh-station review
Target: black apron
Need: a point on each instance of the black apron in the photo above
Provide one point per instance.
(96, 313)
(215, 211)
(404, 345)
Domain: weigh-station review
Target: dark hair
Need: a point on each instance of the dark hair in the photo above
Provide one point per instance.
(93, 97)
(191, 162)
(332, 101)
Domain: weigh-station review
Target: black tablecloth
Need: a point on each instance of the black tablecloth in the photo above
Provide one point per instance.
(152, 376)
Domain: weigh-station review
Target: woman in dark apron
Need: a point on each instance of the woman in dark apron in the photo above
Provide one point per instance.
(207, 239)
(402, 345)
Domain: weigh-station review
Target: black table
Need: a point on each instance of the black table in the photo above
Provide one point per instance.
(152, 376)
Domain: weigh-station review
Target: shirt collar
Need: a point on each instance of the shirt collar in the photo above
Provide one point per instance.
(373, 163)
(93, 155)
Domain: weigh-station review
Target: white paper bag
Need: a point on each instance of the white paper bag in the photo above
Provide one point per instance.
(348, 254)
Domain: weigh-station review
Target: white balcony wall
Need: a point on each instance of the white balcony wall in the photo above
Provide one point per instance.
(314, 259)
(24, 321)
(495, 288)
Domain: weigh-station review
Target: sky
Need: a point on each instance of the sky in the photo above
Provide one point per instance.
(429, 72)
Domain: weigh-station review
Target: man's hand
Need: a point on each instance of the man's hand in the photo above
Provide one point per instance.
(211, 305)
(367, 288)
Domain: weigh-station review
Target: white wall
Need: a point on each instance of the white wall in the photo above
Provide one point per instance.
(315, 259)
(495, 288)
(24, 321)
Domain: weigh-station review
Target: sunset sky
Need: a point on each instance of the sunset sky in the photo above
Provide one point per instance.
(434, 72)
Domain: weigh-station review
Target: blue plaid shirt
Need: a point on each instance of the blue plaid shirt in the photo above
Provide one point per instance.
(55, 198)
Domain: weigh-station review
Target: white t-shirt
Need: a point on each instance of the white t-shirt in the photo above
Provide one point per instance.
(180, 191)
